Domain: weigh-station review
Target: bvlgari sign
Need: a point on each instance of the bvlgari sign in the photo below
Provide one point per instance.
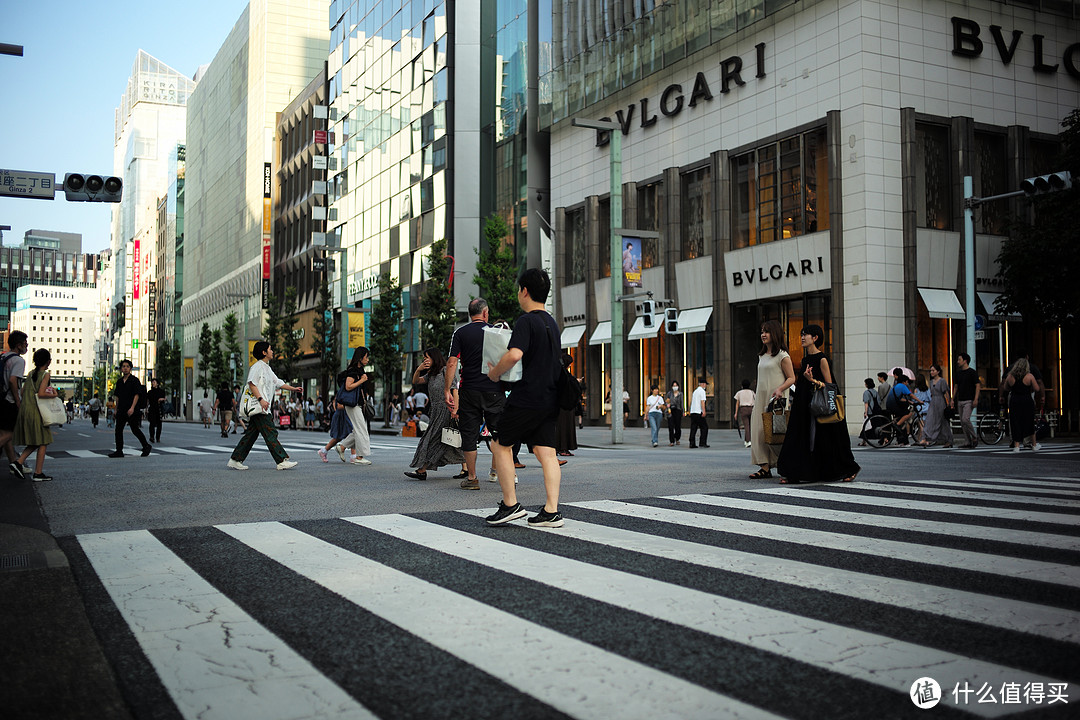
(968, 42)
(778, 269)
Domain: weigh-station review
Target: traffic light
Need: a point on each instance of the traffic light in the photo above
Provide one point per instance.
(1044, 184)
(647, 308)
(93, 188)
(671, 320)
(121, 315)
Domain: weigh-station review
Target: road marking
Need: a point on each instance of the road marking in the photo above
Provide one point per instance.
(880, 660)
(568, 674)
(215, 448)
(846, 495)
(992, 486)
(913, 552)
(1022, 537)
(967, 495)
(179, 450)
(214, 660)
(84, 453)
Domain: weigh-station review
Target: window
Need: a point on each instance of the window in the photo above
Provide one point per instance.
(575, 246)
(933, 180)
(697, 209)
(989, 179)
(650, 199)
(779, 189)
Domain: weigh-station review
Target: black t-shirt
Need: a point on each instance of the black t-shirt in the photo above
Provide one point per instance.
(153, 407)
(126, 391)
(536, 334)
(225, 400)
(966, 380)
(467, 346)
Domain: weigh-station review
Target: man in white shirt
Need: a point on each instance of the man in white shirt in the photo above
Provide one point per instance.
(697, 416)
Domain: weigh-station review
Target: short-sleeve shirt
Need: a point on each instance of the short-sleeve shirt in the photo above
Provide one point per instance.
(127, 391)
(15, 368)
(467, 346)
(745, 397)
(153, 407)
(654, 403)
(966, 380)
(225, 400)
(536, 335)
(265, 380)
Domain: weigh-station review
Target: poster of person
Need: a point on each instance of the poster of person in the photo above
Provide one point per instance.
(631, 262)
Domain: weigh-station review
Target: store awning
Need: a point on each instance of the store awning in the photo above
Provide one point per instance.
(942, 303)
(571, 335)
(640, 332)
(987, 299)
(602, 334)
(693, 320)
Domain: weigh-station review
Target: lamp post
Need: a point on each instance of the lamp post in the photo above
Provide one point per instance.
(615, 217)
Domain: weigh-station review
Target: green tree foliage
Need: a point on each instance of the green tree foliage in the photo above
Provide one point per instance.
(437, 314)
(288, 353)
(168, 366)
(387, 335)
(272, 327)
(219, 362)
(328, 354)
(497, 271)
(206, 348)
(1038, 261)
(230, 335)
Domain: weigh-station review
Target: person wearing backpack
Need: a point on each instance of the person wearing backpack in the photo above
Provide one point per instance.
(13, 368)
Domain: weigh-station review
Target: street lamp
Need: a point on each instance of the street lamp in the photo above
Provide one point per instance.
(615, 216)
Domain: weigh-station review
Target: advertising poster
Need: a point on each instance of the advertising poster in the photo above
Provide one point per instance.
(631, 262)
(356, 330)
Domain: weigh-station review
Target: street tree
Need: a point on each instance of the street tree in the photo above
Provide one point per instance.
(206, 347)
(272, 327)
(1039, 259)
(230, 333)
(437, 313)
(288, 353)
(387, 336)
(325, 341)
(168, 366)
(497, 271)
(219, 363)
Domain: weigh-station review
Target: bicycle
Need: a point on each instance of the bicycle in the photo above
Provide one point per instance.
(882, 430)
(994, 426)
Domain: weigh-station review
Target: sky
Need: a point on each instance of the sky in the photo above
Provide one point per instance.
(58, 100)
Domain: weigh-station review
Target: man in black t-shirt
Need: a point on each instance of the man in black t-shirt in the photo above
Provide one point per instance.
(155, 400)
(223, 404)
(481, 398)
(532, 408)
(966, 389)
(130, 399)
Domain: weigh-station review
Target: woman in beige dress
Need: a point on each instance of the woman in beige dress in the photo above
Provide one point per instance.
(775, 375)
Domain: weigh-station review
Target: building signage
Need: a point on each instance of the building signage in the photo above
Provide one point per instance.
(967, 42)
(318, 162)
(783, 268)
(151, 313)
(368, 282)
(266, 235)
(673, 99)
(21, 183)
(136, 269)
(320, 137)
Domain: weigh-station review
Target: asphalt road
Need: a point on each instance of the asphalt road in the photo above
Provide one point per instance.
(678, 587)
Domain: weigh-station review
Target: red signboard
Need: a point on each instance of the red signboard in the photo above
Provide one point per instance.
(136, 270)
(320, 137)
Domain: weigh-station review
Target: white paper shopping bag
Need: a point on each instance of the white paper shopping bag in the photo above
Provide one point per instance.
(496, 340)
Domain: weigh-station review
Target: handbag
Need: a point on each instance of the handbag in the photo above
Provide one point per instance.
(837, 416)
(775, 421)
(451, 435)
(823, 401)
(368, 408)
(52, 411)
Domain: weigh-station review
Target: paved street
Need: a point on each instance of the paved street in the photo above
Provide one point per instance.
(678, 587)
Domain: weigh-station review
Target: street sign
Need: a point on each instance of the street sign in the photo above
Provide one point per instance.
(23, 183)
(980, 334)
(980, 321)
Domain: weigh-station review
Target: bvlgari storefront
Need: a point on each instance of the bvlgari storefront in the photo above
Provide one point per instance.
(807, 166)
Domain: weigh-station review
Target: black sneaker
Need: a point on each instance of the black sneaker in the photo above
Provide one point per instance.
(546, 519)
(118, 453)
(16, 471)
(41, 477)
(146, 450)
(506, 514)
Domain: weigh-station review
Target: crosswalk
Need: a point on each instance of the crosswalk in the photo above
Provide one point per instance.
(808, 602)
(205, 450)
(1002, 448)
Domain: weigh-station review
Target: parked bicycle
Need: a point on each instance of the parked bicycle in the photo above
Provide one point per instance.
(881, 430)
(994, 426)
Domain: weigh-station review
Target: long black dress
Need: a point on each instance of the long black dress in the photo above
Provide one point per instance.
(813, 452)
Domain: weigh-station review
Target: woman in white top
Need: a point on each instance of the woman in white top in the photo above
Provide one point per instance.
(264, 385)
(654, 411)
(775, 375)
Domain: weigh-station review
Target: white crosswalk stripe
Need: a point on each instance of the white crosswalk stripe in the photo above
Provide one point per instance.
(679, 607)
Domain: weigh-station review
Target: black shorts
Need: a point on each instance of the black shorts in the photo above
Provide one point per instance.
(9, 413)
(475, 407)
(528, 426)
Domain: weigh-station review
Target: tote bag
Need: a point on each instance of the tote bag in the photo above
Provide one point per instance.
(496, 341)
(52, 411)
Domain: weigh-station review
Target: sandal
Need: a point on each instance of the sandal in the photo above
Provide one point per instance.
(785, 481)
(462, 475)
(761, 474)
(852, 478)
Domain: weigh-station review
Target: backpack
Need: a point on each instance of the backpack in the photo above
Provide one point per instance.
(567, 388)
(6, 374)
(892, 401)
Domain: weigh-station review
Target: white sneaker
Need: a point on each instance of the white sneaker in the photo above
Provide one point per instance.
(361, 461)
(1035, 447)
(286, 464)
(340, 453)
(1016, 448)
(493, 476)
(236, 465)
(746, 444)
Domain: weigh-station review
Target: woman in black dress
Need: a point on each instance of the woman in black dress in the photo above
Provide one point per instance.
(813, 452)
